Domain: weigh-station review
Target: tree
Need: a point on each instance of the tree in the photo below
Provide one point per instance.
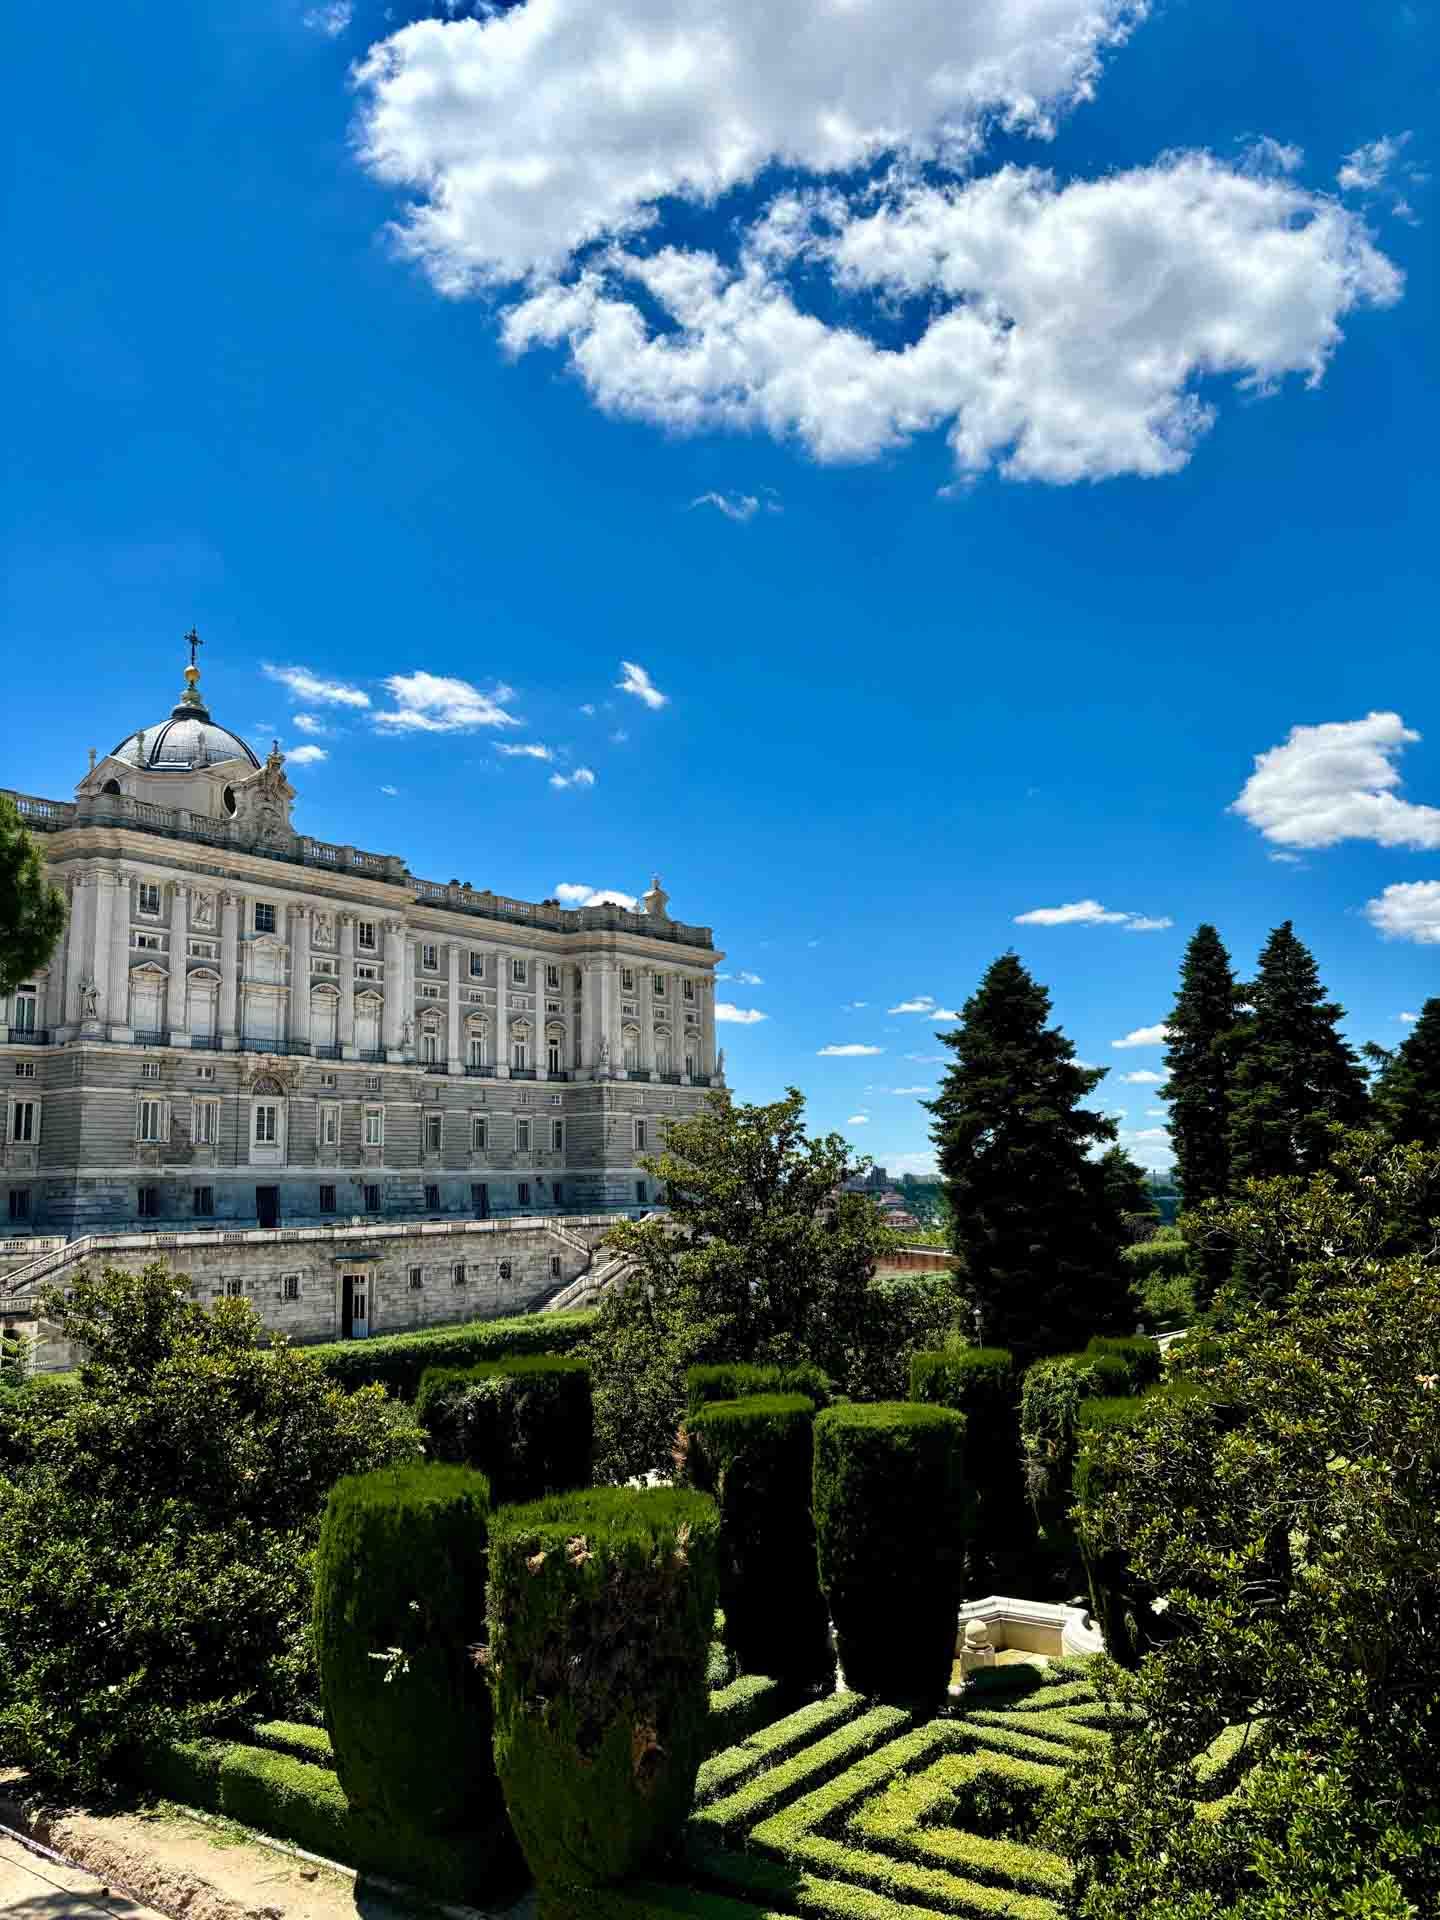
(1199, 1054)
(157, 1523)
(1288, 1513)
(32, 911)
(1296, 1079)
(1407, 1092)
(1128, 1186)
(1034, 1221)
(763, 1257)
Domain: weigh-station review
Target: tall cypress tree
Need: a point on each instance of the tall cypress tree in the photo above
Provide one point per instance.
(1032, 1216)
(1200, 1055)
(1295, 1077)
(1407, 1094)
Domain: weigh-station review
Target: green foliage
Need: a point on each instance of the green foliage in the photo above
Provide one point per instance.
(738, 1708)
(1407, 1095)
(735, 1382)
(892, 1513)
(600, 1612)
(1136, 1352)
(906, 1314)
(398, 1361)
(32, 909)
(1202, 1039)
(755, 1457)
(763, 1257)
(157, 1523)
(981, 1383)
(1035, 1221)
(1052, 1393)
(399, 1608)
(1290, 1518)
(295, 1737)
(1121, 1604)
(526, 1423)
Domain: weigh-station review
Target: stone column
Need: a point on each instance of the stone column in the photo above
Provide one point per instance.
(705, 987)
(175, 1010)
(453, 1061)
(407, 1008)
(300, 975)
(104, 915)
(611, 1021)
(345, 1033)
(645, 1007)
(53, 1015)
(502, 1012)
(119, 995)
(394, 992)
(230, 971)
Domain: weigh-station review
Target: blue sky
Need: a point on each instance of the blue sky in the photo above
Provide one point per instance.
(986, 439)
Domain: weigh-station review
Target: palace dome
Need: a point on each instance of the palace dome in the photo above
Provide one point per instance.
(187, 740)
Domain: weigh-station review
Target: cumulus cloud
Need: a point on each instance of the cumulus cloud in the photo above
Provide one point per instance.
(1409, 1019)
(391, 793)
(1265, 155)
(531, 751)
(1144, 1036)
(306, 756)
(858, 1120)
(742, 979)
(1142, 1136)
(307, 723)
(1335, 782)
(435, 703)
(1090, 913)
(1143, 1078)
(738, 1016)
(922, 1003)
(1366, 168)
(1409, 910)
(331, 20)
(637, 681)
(582, 777)
(852, 1049)
(577, 893)
(1148, 923)
(305, 685)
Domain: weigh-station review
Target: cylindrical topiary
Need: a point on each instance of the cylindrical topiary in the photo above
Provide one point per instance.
(1137, 1352)
(734, 1380)
(892, 1514)
(527, 1422)
(982, 1383)
(600, 1610)
(399, 1610)
(755, 1457)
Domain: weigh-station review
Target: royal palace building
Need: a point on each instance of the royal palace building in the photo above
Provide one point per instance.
(243, 1025)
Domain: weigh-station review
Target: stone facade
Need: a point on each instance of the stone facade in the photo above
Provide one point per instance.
(248, 1026)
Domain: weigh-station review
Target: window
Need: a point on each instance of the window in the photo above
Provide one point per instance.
(552, 1006)
(367, 973)
(151, 1124)
(372, 1199)
(554, 1266)
(553, 1053)
(374, 1126)
(365, 935)
(503, 1271)
(322, 966)
(147, 1203)
(148, 897)
(434, 1132)
(234, 1289)
(478, 1133)
(205, 1073)
(477, 1050)
(692, 1065)
(202, 950)
(429, 993)
(372, 1083)
(557, 1136)
(148, 942)
(290, 1287)
(524, 1193)
(24, 1122)
(432, 1199)
(627, 979)
(327, 1080)
(517, 972)
(559, 1192)
(477, 966)
(522, 1136)
(552, 977)
(657, 985)
(149, 1069)
(330, 1124)
(689, 986)
(264, 916)
(417, 1279)
(202, 1201)
(24, 1010)
(630, 1049)
(430, 1048)
(19, 1203)
(457, 1273)
(480, 1199)
(430, 959)
(520, 1051)
(267, 1123)
(327, 1199)
(24, 1069)
(205, 1127)
(640, 1193)
(642, 1135)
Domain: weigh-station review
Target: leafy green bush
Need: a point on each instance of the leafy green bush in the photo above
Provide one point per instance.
(892, 1512)
(981, 1383)
(755, 1457)
(601, 1606)
(733, 1381)
(399, 1607)
(1139, 1354)
(1119, 1602)
(1051, 1394)
(1166, 1253)
(398, 1360)
(526, 1422)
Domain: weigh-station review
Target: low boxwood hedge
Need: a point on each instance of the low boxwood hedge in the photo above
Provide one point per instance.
(527, 1422)
(601, 1606)
(754, 1456)
(397, 1360)
(892, 1516)
(735, 1381)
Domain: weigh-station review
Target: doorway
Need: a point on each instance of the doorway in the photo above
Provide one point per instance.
(267, 1206)
(355, 1306)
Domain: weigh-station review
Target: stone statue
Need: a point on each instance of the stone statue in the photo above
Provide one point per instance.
(324, 930)
(262, 803)
(204, 909)
(720, 1064)
(603, 1055)
(90, 998)
(407, 1033)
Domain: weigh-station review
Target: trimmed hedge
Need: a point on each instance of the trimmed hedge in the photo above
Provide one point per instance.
(738, 1709)
(1137, 1352)
(397, 1360)
(981, 1383)
(601, 1607)
(399, 1604)
(755, 1456)
(1052, 1392)
(296, 1738)
(892, 1516)
(527, 1422)
(734, 1381)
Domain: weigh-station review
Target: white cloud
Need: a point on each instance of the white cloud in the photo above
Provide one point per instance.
(532, 751)
(581, 777)
(858, 1120)
(307, 723)
(1264, 155)
(854, 1006)
(1335, 782)
(906, 1092)
(922, 1003)
(435, 703)
(1148, 923)
(1408, 1018)
(734, 506)
(305, 685)
(619, 737)
(1286, 859)
(852, 1049)
(1144, 1037)
(1142, 1136)
(1156, 1113)
(331, 20)
(1090, 913)
(306, 756)
(738, 1016)
(1409, 910)
(926, 1059)
(589, 709)
(390, 793)
(742, 979)
(637, 681)
(1143, 1078)
(1365, 169)
(576, 893)
(920, 1165)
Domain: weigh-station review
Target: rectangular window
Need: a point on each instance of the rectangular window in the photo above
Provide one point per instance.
(149, 1069)
(151, 1126)
(559, 1192)
(552, 977)
(23, 1013)
(477, 966)
(367, 973)
(207, 1115)
(202, 950)
(552, 1006)
(657, 985)
(434, 1132)
(642, 1135)
(202, 1200)
(365, 935)
(290, 1287)
(430, 959)
(457, 1273)
(432, 1199)
(417, 1279)
(554, 1266)
(148, 942)
(374, 1126)
(24, 1069)
(480, 1199)
(330, 1125)
(429, 993)
(372, 1083)
(147, 1203)
(524, 1193)
(327, 1080)
(372, 1199)
(522, 1136)
(557, 1136)
(552, 1055)
(234, 1289)
(267, 1123)
(517, 972)
(627, 979)
(689, 989)
(640, 1193)
(19, 1203)
(264, 916)
(148, 897)
(327, 1199)
(692, 1065)
(322, 966)
(205, 1073)
(478, 1134)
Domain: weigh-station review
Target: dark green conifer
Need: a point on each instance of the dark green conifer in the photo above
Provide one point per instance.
(1200, 1056)
(1295, 1077)
(1407, 1093)
(1033, 1218)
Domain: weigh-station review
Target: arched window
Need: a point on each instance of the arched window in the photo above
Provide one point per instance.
(555, 1049)
(111, 786)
